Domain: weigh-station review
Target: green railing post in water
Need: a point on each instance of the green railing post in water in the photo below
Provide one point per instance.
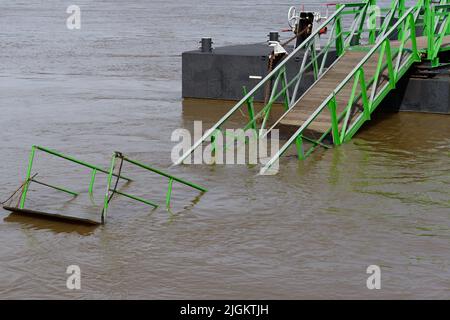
(339, 31)
(334, 122)
(27, 180)
(401, 12)
(169, 193)
(91, 185)
(373, 21)
(429, 28)
(285, 85)
(300, 150)
(108, 189)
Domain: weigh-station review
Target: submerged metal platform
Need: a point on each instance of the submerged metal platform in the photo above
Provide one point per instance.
(52, 216)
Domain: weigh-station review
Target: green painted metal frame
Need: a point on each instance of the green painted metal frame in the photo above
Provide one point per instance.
(436, 24)
(110, 192)
(282, 88)
(96, 169)
(383, 48)
(437, 19)
(28, 179)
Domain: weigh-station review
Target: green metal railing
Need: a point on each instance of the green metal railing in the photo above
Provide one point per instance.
(110, 192)
(437, 19)
(394, 44)
(341, 129)
(29, 178)
(313, 62)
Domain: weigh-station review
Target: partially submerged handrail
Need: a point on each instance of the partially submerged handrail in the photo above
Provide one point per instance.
(110, 173)
(250, 94)
(111, 191)
(28, 179)
(80, 162)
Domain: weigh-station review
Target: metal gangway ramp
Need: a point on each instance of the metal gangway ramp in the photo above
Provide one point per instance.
(371, 59)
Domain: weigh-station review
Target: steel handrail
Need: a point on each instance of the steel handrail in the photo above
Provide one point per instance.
(250, 94)
(338, 89)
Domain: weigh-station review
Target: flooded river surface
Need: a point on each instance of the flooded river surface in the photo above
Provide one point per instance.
(309, 232)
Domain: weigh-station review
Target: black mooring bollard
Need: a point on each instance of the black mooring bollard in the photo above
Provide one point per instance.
(206, 45)
(274, 36)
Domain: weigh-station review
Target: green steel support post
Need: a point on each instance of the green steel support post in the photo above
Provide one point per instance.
(268, 108)
(373, 22)
(392, 79)
(334, 122)
(401, 12)
(429, 28)
(314, 60)
(377, 74)
(108, 188)
(285, 88)
(432, 49)
(250, 109)
(401, 8)
(363, 12)
(169, 193)
(299, 145)
(213, 140)
(365, 99)
(91, 184)
(339, 35)
(348, 109)
(447, 32)
(412, 26)
(27, 181)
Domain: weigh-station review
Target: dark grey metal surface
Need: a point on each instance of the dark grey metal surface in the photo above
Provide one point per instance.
(222, 73)
(53, 216)
(431, 95)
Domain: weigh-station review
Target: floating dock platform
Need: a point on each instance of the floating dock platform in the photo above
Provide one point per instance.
(401, 65)
(222, 73)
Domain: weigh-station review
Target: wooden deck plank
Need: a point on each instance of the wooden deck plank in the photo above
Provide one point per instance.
(325, 86)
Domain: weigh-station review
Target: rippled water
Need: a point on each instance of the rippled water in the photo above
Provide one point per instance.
(309, 232)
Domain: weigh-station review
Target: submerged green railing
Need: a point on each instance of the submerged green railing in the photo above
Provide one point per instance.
(29, 179)
(110, 192)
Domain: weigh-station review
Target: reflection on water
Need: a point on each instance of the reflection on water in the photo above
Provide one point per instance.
(309, 232)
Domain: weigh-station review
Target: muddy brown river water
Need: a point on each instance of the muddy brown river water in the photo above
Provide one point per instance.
(309, 232)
